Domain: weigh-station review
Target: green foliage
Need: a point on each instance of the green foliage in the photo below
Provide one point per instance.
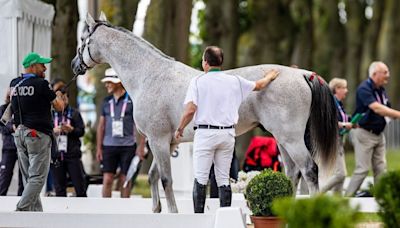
(387, 195)
(318, 212)
(264, 188)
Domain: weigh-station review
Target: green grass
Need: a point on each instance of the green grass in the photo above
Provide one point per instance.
(142, 187)
(369, 217)
(392, 158)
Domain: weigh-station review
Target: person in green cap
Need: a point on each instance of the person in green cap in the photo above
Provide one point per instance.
(31, 101)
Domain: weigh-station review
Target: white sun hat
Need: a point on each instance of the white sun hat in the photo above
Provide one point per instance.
(111, 76)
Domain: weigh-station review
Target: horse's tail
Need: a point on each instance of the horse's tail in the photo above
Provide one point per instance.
(322, 123)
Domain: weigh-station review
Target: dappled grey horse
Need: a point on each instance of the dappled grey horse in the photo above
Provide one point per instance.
(157, 83)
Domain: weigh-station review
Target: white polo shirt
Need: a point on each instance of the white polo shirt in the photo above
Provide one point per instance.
(218, 96)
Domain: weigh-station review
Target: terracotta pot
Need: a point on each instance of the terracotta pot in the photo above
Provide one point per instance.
(266, 222)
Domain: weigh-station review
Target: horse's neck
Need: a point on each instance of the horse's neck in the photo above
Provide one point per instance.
(137, 64)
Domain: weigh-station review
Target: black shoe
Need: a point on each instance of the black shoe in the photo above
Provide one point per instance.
(225, 196)
(199, 197)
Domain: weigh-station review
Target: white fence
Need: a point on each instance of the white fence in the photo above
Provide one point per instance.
(392, 134)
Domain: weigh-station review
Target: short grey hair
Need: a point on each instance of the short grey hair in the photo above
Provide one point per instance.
(336, 83)
(372, 67)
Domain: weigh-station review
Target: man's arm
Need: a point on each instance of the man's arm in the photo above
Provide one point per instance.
(268, 77)
(187, 116)
(383, 110)
(99, 138)
(140, 146)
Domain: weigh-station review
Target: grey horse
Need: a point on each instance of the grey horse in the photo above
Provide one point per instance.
(297, 104)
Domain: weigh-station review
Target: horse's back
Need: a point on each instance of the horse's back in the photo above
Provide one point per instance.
(283, 106)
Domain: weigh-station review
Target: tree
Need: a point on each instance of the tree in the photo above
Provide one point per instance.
(64, 43)
(167, 27)
(302, 13)
(120, 12)
(222, 28)
(329, 40)
(389, 51)
(355, 34)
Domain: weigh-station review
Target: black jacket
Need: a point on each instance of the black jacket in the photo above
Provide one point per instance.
(6, 131)
(74, 143)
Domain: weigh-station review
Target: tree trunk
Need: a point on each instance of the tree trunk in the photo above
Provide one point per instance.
(372, 35)
(303, 47)
(270, 39)
(64, 43)
(222, 28)
(120, 12)
(167, 27)
(355, 29)
(390, 50)
(329, 40)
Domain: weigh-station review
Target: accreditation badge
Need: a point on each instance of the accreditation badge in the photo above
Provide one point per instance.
(62, 142)
(117, 128)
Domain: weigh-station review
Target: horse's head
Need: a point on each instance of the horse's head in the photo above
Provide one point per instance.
(87, 56)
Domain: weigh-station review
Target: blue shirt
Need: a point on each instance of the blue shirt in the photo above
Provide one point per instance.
(368, 93)
(129, 138)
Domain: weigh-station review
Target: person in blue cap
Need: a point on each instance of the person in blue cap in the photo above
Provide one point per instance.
(31, 100)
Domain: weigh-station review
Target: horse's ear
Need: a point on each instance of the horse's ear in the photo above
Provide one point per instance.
(89, 20)
(102, 16)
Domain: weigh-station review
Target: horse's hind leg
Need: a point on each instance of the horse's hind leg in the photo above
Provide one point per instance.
(291, 169)
(300, 155)
(161, 153)
(154, 176)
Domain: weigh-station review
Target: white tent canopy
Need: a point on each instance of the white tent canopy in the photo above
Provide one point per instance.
(25, 26)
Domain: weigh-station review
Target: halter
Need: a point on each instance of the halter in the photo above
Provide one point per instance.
(82, 63)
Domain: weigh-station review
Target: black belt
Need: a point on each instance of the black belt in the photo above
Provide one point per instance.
(202, 126)
(375, 132)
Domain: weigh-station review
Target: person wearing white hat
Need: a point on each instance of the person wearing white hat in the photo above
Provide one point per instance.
(116, 144)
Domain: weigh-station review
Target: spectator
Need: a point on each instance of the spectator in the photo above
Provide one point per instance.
(9, 154)
(115, 135)
(338, 87)
(369, 140)
(68, 128)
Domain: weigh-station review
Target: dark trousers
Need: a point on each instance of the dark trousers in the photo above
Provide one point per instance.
(7, 164)
(74, 168)
(233, 173)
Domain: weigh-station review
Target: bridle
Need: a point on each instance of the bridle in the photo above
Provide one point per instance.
(85, 43)
(82, 63)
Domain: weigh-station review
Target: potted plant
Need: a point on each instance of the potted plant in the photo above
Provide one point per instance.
(321, 211)
(260, 193)
(387, 195)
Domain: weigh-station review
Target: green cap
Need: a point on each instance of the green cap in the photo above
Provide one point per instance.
(33, 58)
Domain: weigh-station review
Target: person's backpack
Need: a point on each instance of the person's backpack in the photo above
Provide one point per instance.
(261, 154)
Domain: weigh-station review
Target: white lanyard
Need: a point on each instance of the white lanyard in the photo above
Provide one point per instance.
(123, 109)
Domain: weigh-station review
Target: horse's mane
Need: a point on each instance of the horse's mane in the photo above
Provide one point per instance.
(142, 42)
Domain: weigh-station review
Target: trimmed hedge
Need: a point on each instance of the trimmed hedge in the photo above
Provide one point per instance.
(264, 188)
(318, 212)
(387, 195)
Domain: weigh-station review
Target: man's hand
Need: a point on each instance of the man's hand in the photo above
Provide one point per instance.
(57, 130)
(140, 152)
(67, 128)
(179, 133)
(99, 154)
(272, 74)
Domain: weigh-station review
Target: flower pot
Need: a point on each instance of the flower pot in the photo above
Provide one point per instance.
(266, 222)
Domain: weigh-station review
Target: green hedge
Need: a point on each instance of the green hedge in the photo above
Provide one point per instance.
(264, 188)
(321, 211)
(387, 195)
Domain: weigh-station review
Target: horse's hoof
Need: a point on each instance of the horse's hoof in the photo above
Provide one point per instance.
(157, 209)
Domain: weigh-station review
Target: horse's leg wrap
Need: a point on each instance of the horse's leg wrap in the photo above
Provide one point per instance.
(225, 196)
(199, 196)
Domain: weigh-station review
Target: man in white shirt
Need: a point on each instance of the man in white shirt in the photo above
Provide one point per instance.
(213, 99)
